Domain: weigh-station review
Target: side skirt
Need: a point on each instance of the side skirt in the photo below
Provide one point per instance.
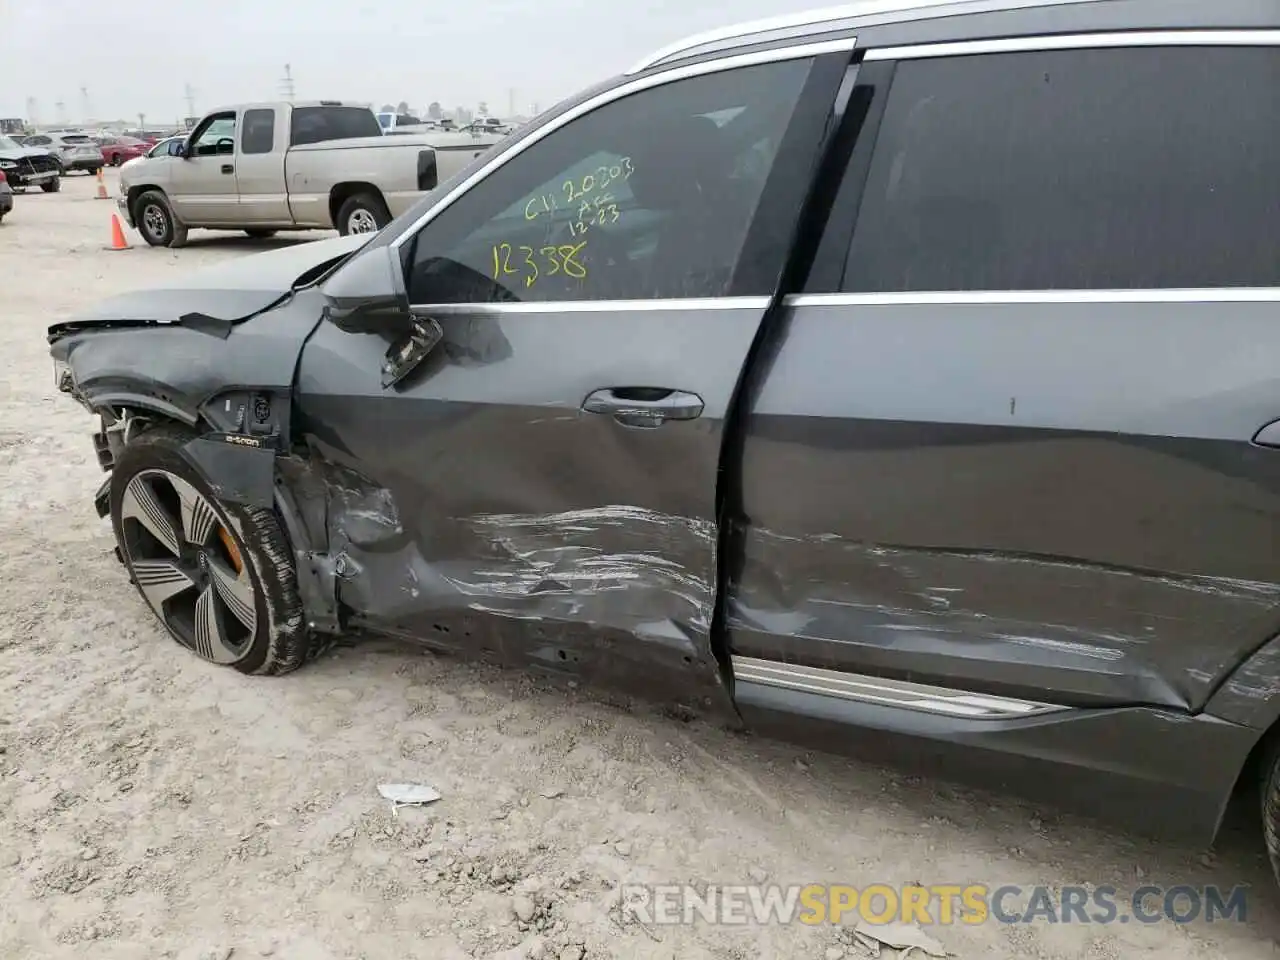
(1150, 770)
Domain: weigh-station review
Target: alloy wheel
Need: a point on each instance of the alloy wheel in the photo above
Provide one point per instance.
(155, 221)
(188, 566)
(362, 221)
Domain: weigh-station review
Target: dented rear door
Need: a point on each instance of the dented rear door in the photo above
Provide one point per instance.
(552, 466)
(1005, 447)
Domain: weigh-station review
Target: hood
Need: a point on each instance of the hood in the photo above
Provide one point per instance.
(219, 296)
(24, 152)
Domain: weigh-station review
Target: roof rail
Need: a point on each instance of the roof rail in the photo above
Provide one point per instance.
(807, 18)
(829, 19)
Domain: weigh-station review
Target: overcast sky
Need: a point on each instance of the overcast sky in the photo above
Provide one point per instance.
(138, 55)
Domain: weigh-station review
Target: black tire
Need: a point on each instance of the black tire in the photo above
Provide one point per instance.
(367, 204)
(281, 642)
(93, 171)
(1271, 805)
(156, 222)
(258, 233)
(116, 159)
(52, 186)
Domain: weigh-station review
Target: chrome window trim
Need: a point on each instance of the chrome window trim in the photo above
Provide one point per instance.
(1081, 41)
(617, 93)
(955, 297)
(597, 306)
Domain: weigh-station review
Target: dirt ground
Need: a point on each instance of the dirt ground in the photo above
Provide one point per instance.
(154, 806)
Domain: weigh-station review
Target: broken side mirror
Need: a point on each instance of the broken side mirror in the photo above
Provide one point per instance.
(367, 294)
(405, 354)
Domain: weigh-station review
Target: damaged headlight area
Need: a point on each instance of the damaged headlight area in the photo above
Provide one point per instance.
(63, 377)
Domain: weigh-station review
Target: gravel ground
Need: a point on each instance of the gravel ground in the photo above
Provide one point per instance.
(154, 806)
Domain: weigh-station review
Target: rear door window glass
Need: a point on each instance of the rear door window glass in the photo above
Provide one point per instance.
(259, 131)
(1142, 167)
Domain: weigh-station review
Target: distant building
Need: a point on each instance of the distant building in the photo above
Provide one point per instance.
(12, 126)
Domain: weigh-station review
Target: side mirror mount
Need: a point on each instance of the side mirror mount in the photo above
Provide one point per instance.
(368, 295)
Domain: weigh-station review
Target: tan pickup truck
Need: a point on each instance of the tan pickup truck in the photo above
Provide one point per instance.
(265, 167)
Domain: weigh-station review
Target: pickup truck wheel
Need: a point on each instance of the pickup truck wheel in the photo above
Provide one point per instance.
(362, 213)
(52, 186)
(156, 222)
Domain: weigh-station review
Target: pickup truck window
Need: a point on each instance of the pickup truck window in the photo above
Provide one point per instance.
(645, 197)
(218, 137)
(318, 124)
(1120, 168)
(259, 131)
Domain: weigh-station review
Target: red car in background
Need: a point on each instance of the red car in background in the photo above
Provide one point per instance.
(116, 150)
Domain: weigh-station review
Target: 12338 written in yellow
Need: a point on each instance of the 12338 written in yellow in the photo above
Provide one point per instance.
(530, 264)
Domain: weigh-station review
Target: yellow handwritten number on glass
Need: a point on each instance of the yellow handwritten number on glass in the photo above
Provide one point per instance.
(568, 253)
(502, 260)
(530, 278)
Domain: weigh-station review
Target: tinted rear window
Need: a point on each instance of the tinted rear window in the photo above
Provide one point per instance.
(75, 138)
(318, 124)
(1075, 169)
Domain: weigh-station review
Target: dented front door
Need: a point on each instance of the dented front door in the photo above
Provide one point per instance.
(553, 464)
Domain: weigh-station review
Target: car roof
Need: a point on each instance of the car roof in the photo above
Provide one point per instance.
(894, 22)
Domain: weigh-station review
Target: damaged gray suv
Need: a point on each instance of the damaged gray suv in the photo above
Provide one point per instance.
(899, 380)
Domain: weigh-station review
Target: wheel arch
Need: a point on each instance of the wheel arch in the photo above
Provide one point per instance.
(137, 190)
(236, 471)
(1249, 696)
(340, 193)
(147, 402)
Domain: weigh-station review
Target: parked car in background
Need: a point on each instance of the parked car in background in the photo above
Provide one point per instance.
(167, 147)
(897, 380)
(118, 150)
(75, 151)
(25, 166)
(455, 148)
(276, 166)
(6, 195)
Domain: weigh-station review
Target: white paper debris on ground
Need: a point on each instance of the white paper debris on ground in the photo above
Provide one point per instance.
(407, 795)
(901, 936)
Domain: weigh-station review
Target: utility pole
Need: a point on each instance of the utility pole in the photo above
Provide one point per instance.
(60, 109)
(142, 122)
(286, 84)
(33, 111)
(190, 96)
(86, 108)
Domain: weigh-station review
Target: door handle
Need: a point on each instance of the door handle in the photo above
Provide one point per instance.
(228, 168)
(644, 406)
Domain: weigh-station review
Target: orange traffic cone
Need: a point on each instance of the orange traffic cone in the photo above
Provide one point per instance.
(102, 187)
(118, 241)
